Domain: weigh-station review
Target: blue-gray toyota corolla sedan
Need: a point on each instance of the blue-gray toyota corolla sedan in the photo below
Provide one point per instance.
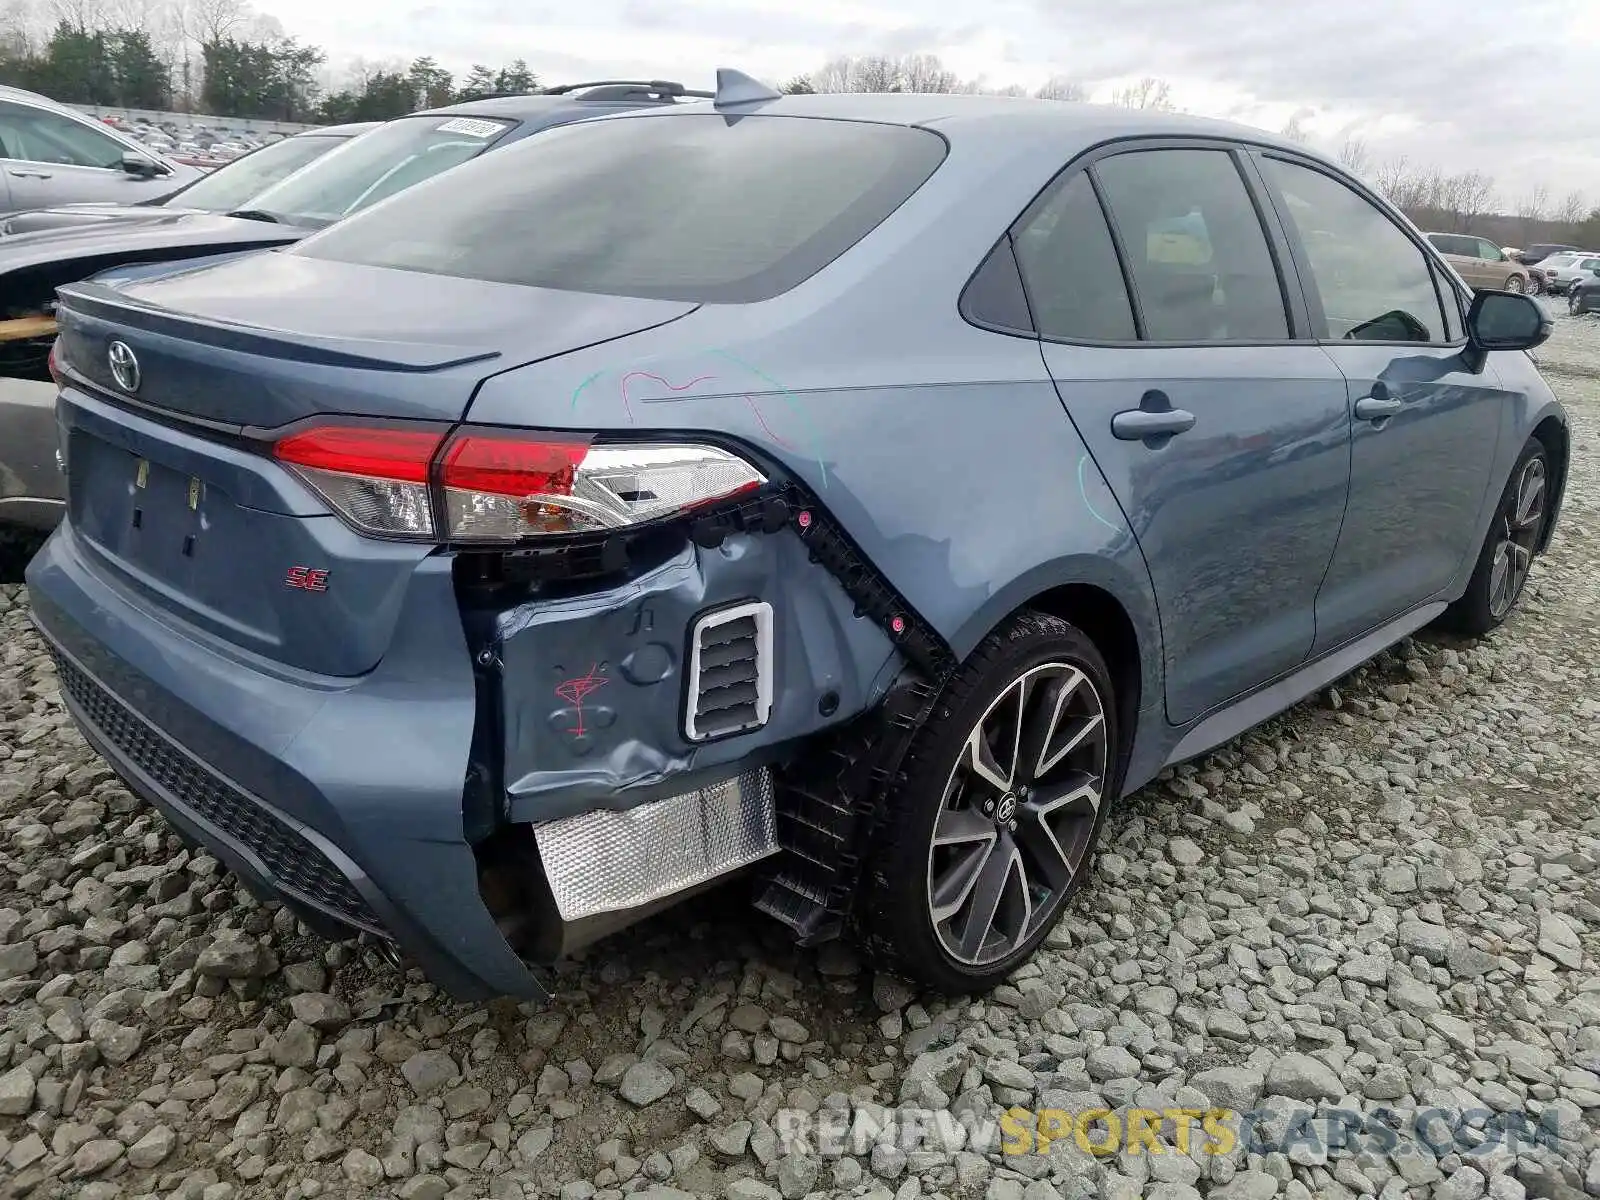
(857, 493)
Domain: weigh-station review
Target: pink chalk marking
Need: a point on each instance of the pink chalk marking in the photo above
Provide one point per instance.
(671, 387)
(575, 691)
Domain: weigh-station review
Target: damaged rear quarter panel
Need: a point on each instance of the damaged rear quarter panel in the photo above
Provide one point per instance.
(593, 686)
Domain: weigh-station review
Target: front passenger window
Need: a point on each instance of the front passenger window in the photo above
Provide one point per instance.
(33, 135)
(1374, 282)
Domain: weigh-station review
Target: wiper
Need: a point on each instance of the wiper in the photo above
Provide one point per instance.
(256, 214)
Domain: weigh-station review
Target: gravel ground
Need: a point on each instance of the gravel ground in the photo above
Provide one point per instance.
(1387, 897)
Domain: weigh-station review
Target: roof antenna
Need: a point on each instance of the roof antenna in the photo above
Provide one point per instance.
(735, 87)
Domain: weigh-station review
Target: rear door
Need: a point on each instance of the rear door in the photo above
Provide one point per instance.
(1424, 427)
(1221, 429)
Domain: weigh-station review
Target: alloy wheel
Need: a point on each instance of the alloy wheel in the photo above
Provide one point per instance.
(1521, 521)
(1514, 285)
(1018, 814)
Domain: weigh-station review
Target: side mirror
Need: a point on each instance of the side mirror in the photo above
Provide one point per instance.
(1504, 321)
(139, 166)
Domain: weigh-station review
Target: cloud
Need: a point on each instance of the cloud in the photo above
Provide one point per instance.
(1503, 88)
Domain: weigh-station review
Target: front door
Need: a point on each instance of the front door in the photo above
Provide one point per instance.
(1224, 441)
(51, 159)
(1424, 428)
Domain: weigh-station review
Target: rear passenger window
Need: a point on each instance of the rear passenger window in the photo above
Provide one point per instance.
(1069, 266)
(1374, 282)
(1201, 267)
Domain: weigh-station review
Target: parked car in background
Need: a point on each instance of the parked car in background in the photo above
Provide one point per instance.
(1561, 271)
(1535, 285)
(516, 557)
(1583, 295)
(365, 169)
(1480, 262)
(221, 191)
(51, 154)
(1540, 251)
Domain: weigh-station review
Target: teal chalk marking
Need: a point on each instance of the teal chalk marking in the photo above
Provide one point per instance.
(791, 400)
(578, 391)
(1083, 490)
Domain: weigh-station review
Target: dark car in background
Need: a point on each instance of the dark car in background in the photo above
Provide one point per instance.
(1583, 296)
(359, 173)
(1540, 251)
(223, 190)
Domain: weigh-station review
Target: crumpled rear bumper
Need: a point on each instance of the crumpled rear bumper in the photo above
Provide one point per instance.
(343, 798)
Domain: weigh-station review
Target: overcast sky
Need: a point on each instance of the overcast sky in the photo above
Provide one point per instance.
(1510, 87)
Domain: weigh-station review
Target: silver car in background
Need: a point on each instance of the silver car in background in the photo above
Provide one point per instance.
(1561, 271)
(51, 154)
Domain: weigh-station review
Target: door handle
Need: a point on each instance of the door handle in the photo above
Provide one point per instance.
(1154, 418)
(31, 174)
(1377, 407)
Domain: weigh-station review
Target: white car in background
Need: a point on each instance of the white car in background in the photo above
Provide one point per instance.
(1561, 271)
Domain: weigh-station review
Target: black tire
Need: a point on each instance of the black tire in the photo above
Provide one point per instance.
(1514, 285)
(1535, 285)
(1575, 303)
(1510, 546)
(896, 915)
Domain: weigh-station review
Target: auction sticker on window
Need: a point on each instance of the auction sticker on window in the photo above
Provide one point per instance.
(472, 128)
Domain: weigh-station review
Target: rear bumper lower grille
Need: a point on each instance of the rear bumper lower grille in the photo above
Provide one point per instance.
(291, 862)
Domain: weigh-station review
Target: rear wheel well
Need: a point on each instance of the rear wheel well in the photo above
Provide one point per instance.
(1556, 440)
(1108, 626)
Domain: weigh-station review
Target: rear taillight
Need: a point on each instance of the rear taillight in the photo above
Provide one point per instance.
(54, 363)
(491, 486)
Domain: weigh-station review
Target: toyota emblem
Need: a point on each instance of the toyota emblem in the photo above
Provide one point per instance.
(124, 366)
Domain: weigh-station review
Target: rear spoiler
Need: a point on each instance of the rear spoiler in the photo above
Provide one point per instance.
(99, 301)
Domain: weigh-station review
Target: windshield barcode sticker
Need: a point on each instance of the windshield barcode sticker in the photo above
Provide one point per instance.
(466, 125)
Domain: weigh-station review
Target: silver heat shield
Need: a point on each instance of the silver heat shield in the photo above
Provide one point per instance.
(601, 862)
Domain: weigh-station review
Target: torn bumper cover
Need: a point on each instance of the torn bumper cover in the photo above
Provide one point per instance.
(340, 797)
(612, 742)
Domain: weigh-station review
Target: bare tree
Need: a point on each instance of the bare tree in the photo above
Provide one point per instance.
(1354, 156)
(1571, 210)
(1149, 92)
(82, 15)
(1531, 209)
(214, 20)
(857, 73)
(1295, 127)
(1061, 87)
(925, 73)
(1473, 194)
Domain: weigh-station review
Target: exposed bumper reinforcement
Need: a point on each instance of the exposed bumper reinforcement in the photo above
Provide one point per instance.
(605, 862)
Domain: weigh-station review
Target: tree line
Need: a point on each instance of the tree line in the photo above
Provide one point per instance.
(217, 57)
(222, 58)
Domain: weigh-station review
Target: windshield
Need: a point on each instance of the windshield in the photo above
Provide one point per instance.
(697, 208)
(380, 163)
(233, 186)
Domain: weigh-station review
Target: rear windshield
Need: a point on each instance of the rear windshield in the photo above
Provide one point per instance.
(229, 187)
(378, 164)
(692, 207)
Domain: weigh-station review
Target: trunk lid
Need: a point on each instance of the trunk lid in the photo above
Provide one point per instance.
(268, 339)
(205, 527)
